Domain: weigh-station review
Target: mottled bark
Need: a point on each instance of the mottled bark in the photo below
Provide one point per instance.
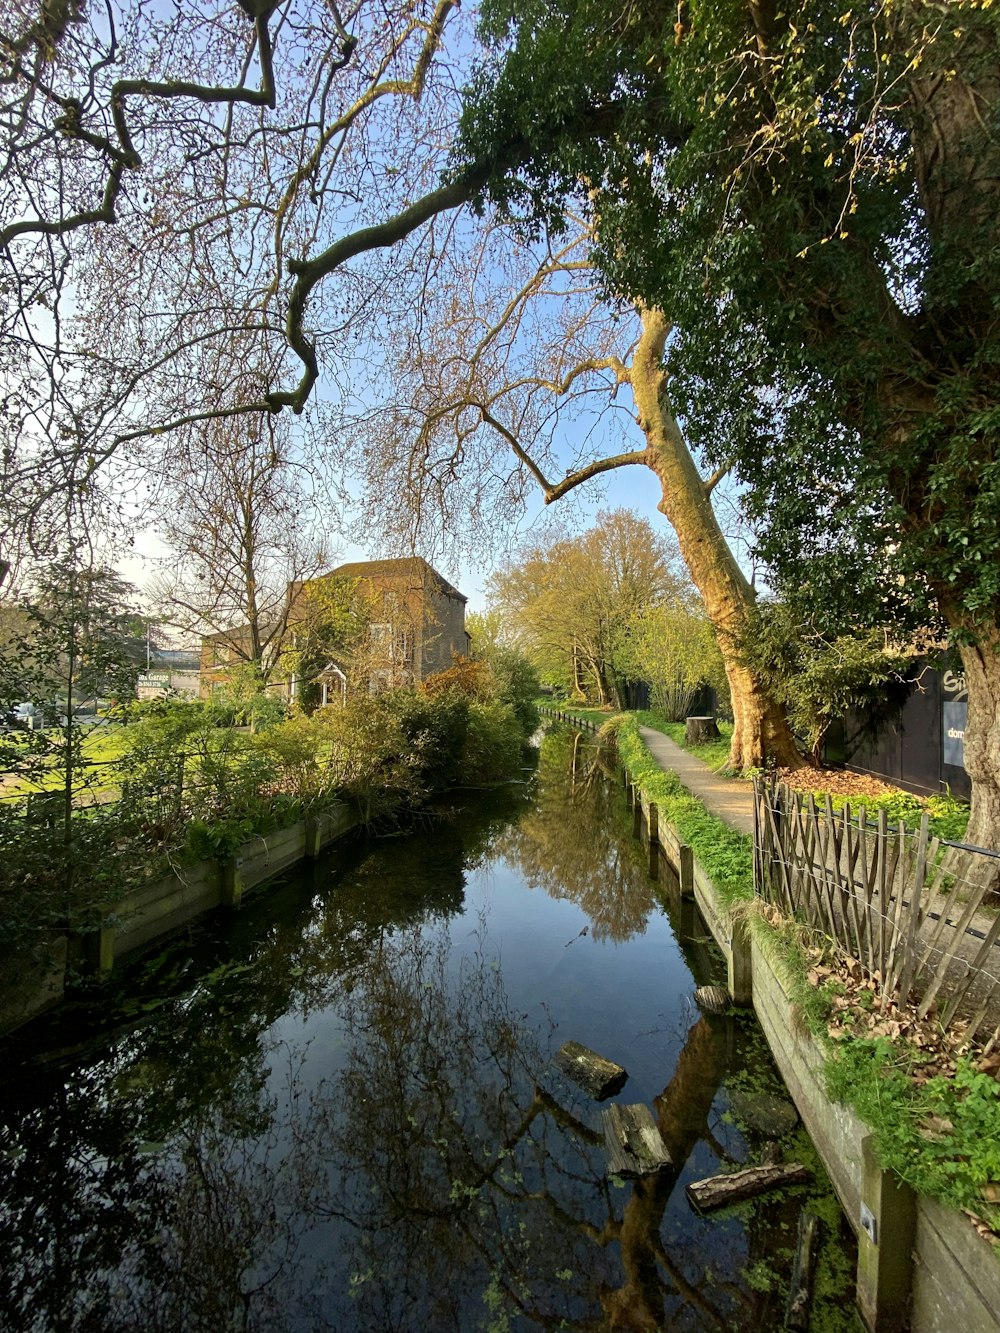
(760, 732)
(982, 743)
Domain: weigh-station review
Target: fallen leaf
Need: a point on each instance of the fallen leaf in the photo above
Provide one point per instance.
(935, 1128)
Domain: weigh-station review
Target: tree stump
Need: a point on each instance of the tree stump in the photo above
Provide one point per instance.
(700, 730)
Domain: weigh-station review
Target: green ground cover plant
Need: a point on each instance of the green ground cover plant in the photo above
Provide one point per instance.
(933, 1106)
(725, 853)
(949, 816)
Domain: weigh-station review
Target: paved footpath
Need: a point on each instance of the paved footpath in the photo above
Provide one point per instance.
(731, 799)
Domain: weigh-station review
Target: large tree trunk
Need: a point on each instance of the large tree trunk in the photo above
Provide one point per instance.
(957, 166)
(760, 729)
(761, 732)
(981, 664)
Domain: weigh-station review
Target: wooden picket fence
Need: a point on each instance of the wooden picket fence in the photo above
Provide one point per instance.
(916, 913)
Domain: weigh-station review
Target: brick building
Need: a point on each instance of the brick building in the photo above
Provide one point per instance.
(414, 627)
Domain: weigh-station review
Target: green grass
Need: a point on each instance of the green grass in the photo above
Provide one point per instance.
(725, 853)
(715, 753)
(99, 746)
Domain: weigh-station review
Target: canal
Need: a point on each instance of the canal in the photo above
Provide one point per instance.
(336, 1110)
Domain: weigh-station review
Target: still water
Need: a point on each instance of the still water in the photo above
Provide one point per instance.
(337, 1109)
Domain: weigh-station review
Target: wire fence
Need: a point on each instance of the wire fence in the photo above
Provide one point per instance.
(919, 914)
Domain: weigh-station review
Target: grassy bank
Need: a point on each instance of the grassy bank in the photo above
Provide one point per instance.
(726, 854)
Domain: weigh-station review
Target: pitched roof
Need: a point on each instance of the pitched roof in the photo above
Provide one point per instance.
(403, 567)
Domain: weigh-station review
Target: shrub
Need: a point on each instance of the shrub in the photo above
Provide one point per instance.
(466, 678)
(503, 677)
(302, 756)
(493, 744)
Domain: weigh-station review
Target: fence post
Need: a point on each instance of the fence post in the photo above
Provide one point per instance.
(885, 1244)
(739, 965)
(99, 946)
(653, 815)
(316, 827)
(232, 881)
(686, 870)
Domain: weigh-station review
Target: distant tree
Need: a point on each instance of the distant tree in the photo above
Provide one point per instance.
(489, 631)
(242, 514)
(569, 601)
(543, 382)
(672, 646)
(74, 634)
(85, 635)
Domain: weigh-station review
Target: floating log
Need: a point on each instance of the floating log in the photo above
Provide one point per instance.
(599, 1077)
(734, 1187)
(800, 1289)
(712, 999)
(632, 1142)
(698, 730)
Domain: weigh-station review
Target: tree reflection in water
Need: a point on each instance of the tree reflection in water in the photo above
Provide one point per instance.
(573, 844)
(466, 1183)
(410, 1163)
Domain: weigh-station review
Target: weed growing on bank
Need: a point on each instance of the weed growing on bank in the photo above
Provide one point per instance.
(725, 853)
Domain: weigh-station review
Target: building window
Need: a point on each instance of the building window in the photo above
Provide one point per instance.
(379, 682)
(380, 638)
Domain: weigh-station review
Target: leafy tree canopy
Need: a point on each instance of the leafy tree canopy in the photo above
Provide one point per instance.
(811, 195)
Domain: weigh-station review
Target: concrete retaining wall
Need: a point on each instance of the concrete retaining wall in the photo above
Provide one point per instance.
(161, 906)
(149, 913)
(956, 1274)
(173, 901)
(835, 1130)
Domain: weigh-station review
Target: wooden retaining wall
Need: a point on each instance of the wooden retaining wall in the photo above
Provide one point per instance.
(922, 1267)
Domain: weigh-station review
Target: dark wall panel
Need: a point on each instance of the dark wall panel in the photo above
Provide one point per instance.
(910, 751)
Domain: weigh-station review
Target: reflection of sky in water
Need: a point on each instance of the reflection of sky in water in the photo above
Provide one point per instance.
(358, 1046)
